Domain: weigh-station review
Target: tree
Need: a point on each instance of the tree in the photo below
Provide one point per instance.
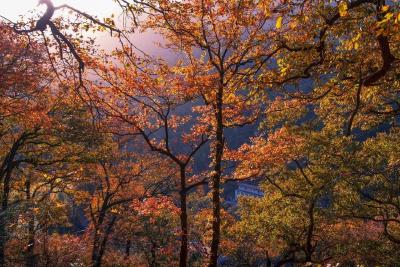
(352, 100)
(118, 179)
(128, 142)
(156, 227)
(63, 40)
(150, 104)
(332, 85)
(43, 133)
(308, 180)
(15, 95)
(236, 40)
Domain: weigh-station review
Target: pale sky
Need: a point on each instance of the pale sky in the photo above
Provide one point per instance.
(12, 9)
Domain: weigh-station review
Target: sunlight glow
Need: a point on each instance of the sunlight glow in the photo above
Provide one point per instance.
(16, 8)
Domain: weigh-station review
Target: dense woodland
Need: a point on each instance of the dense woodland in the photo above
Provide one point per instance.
(115, 157)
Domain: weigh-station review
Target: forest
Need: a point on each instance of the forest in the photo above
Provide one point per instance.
(262, 134)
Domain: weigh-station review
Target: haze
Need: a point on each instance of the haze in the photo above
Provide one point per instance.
(100, 8)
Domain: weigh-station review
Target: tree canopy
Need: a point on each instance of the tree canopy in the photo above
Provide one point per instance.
(270, 139)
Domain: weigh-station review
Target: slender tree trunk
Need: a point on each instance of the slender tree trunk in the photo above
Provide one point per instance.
(216, 179)
(2, 239)
(310, 232)
(96, 245)
(6, 170)
(153, 262)
(97, 236)
(97, 260)
(45, 247)
(183, 218)
(30, 251)
(269, 262)
(128, 248)
(3, 216)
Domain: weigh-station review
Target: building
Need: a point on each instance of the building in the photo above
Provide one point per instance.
(233, 191)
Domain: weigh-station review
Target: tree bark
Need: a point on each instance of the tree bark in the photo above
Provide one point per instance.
(153, 262)
(183, 218)
(96, 245)
(97, 237)
(98, 255)
(128, 248)
(30, 251)
(309, 249)
(216, 179)
(269, 262)
(3, 216)
(6, 170)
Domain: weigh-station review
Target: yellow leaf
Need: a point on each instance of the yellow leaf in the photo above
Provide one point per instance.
(279, 23)
(385, 8)
(388, 16)
(293, 24)
(355, 41)
(343, 9)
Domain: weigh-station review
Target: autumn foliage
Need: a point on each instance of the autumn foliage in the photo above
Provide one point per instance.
(265, 135)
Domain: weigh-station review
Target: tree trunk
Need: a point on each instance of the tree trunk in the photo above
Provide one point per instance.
(30, 251)
(6, 170)
(216, 180)
(183, 218)
(46, 254)
(2, 237)
(97, 236)
(309, 249)
(128, 248)
(98, 255)
(153, 262)
(269, 262)
(3, 216)
(96, 245)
